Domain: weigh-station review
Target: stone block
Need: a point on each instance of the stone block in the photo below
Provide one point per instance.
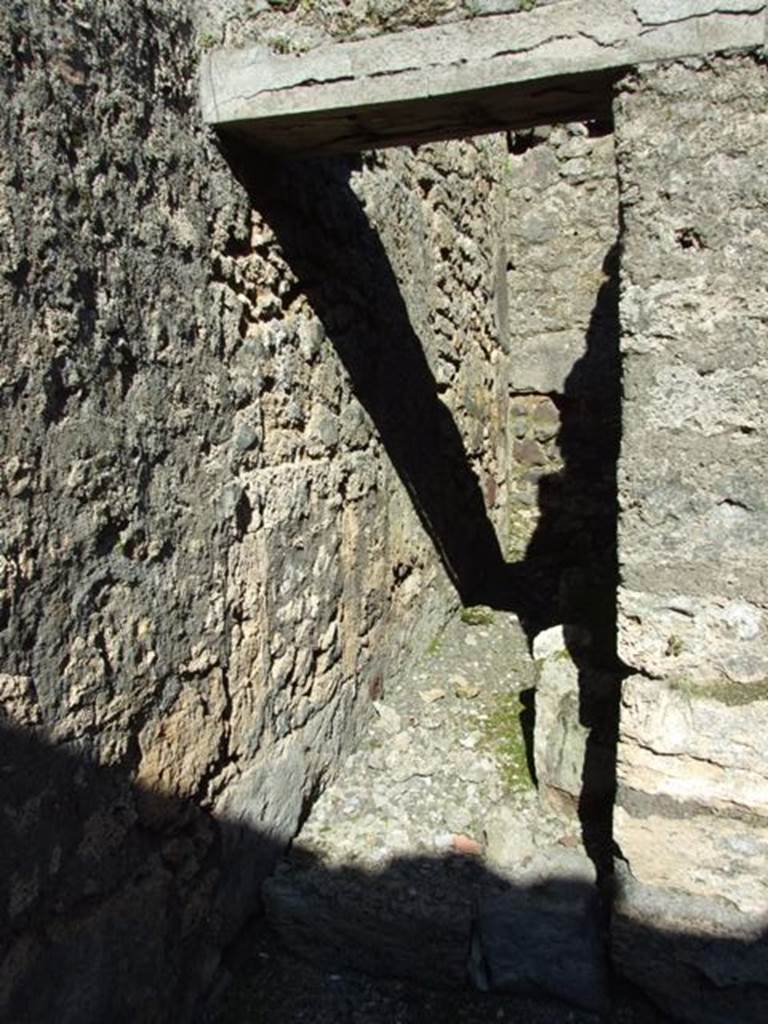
(696, 638)
(560, 739)
(544, 941)
(473, 75)
(700, 960)
(344, 920)
(573, 706)
(692, 802)
(543, 363)
(689, 925)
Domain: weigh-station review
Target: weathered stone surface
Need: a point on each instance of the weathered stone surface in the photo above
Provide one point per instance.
(692, 778)
(387, 874)
(553, 62)
(689, 636)
(562, 276)
(560, 233)
(560, 739)
(701, 960)
(691, 819)
(233, 426)
(712, 732)
(546, 940)
(694, 310)
(572, 749)
(505, 842)
(295, 27)
(339, 923)
(205, 547)
(384, 875)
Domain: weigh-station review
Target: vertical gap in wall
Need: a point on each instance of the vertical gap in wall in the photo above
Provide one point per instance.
(571, 559)
(567, 433)
(595, 440)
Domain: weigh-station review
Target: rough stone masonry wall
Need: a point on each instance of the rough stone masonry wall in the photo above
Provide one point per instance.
(562, 263)
(565, 421)
(208, 560)
(692, 806)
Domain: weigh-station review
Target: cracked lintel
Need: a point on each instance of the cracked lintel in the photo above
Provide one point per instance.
(662, 12)
(507, 71)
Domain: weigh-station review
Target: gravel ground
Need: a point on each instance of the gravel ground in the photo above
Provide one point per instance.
(434, 812)
(445, 746)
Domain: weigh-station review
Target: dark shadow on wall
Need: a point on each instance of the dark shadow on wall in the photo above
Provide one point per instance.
(342, 267)
(119, 901)
(572, 561)
(572, 556)
(569, 574)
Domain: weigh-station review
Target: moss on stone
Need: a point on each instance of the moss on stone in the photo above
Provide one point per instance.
(506, 740)
(675, 646)
(520, 529)
(433, 647)
(477, 615)
(730, 694)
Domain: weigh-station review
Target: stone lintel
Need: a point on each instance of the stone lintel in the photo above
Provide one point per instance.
(554, 63)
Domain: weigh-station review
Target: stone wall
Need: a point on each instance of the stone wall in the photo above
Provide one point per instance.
(691, 817)
(234, 498)
(294, 26)
(263, 427)
(562, 231)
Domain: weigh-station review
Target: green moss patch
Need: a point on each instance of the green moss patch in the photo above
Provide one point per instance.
(477, 615)
(505, 734)
(730, 694)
